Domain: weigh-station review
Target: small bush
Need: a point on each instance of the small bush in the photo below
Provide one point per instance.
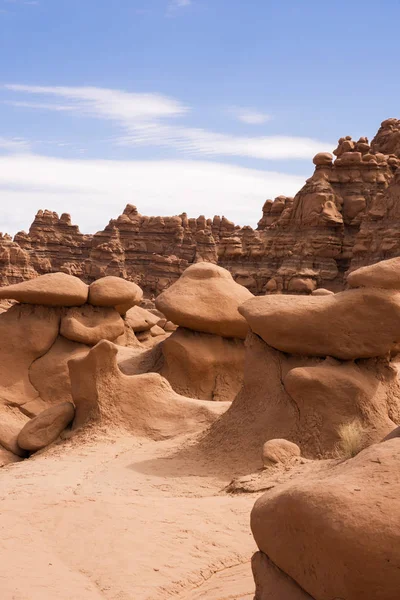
(351, 439)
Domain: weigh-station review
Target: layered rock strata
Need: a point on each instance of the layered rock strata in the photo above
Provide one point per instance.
(345, 216)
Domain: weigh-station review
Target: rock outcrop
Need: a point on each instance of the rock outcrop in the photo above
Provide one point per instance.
(54, 324)
(336, 535)
(345, 216)
(294, 389)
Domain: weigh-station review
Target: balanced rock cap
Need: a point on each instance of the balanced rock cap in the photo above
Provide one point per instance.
(52, 289)
(384, 274)
(362, 323)
(115, 291)
(206, 298)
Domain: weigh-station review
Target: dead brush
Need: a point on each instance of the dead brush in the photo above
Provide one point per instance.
(351, 439)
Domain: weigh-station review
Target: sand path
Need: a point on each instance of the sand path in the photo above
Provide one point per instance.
(117, 518)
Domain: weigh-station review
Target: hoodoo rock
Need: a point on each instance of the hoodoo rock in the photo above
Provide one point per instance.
(90, 324)
(116, 292)
(53, 289)
(144, 404)
(337, 534)
(359, 323)
(206, 299)
(44, 429)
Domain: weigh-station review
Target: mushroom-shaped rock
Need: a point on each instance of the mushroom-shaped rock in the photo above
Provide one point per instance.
(361, 323)
(279, 451)
(337, 533)
(89, 324)
(321, 292)
(206, 298)
(115, 291)
(323, 158)
(384, 274)
(53, 289)
(44, 429)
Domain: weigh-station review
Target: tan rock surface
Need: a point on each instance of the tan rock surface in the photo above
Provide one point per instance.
(140, 319)
(326, 532)
(116, 292)
(44, 429)
(89, 324)
(144, 404)
(385, 274)
(279, 451)
(26, 333)
(7, 457)
(206, 299)
(272, 583)
(11, 423)
(353, 324)
(49, 375)
(53, 289)
(202, 365)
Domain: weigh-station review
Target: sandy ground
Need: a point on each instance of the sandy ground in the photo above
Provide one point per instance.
(118, 518)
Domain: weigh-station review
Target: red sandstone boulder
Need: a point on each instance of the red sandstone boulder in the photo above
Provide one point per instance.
(337, 533)
(353, 324)
(90, 324)
(53, 289)
(279, 451)
(116, 292)
(384, 274)
(46, 427)
(206, 298)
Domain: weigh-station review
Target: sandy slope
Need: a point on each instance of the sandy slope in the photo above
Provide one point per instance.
(117, 518)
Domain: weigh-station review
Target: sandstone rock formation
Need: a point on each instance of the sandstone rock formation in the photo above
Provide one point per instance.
(44, 429)
(345, 216)
(144, 404)
(53, 325)
(335, 535)
(53, 289)
(295, 390)
(204, 366)
(206, 299)
(352, 324)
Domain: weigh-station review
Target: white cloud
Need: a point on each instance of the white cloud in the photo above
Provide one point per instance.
(142, 118)
(250, 116)
(13, 144)
(124, 107)
(94, 191)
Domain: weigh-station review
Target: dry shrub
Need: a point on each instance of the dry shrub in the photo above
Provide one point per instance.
(351, 439)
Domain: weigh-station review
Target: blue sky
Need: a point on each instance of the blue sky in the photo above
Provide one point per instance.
(208, 106)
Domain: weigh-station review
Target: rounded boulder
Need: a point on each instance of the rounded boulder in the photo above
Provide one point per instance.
(52, 289)
(206, 298)
(116, 292)
(46, 427)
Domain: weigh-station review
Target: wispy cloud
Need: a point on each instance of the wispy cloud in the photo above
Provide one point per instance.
(13, 145)
(96, 190)
(250, 116)
(144, 119)
(176, 4)
(101, 102)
